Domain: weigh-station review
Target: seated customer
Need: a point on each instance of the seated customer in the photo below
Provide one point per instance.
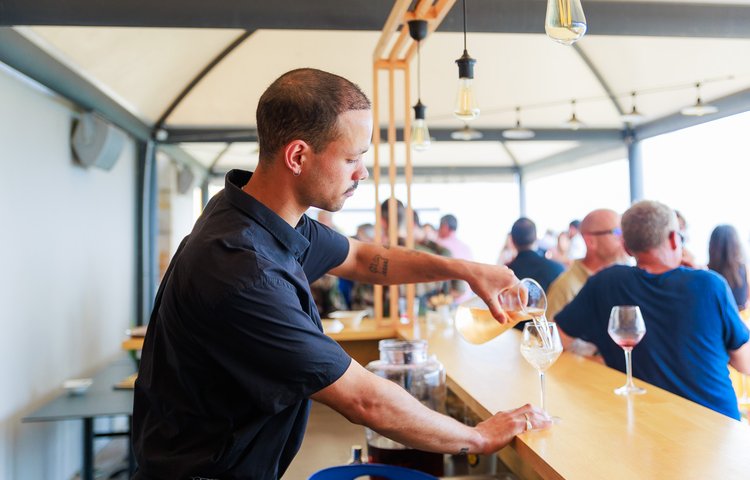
(725, 257)
(603, 236)
(529, 263)
(692, 326)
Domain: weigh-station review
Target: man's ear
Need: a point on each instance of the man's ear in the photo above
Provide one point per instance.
(295, 154)
(673, 240)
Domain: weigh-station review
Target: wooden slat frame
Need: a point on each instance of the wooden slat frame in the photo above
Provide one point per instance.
(398, 58)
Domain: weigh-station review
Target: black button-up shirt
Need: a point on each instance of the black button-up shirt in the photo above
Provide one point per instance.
(235, 345)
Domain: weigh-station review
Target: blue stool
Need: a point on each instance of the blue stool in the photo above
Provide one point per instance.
(350, 472)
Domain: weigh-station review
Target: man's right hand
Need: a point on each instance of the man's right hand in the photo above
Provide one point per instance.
(498, 430)
(487, 281)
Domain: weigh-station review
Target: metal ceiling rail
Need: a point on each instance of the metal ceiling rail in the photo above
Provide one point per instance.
(599, 77)
(455, 173)
(201, 75)
(738, 102)
(589, 149)
(231, 135)
(24, 56)
(619, 17)
(540, 134)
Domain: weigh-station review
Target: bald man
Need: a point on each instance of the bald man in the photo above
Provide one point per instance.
(603, 237)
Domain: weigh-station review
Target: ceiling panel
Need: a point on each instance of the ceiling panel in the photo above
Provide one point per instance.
(144, 68)
(664, 70)
(229, 94)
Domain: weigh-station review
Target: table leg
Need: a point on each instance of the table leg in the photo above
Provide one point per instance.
(87, 469)
(131, 453)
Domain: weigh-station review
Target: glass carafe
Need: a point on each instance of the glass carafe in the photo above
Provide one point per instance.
(523, 301)
(407, 364)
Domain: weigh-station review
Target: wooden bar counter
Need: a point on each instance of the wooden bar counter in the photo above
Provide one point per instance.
(601, 435)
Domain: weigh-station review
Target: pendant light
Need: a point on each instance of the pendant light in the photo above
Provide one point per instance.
(420, 135)
(700, 108)
(466, 104)
(518, 132)
(466, 133)
(573, 123)
(565, 22)
(634, 116)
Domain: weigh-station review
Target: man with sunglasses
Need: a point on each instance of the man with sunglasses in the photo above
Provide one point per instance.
(603, 237)
(693, 328)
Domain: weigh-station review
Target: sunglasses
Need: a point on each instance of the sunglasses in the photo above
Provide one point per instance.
(617, 231)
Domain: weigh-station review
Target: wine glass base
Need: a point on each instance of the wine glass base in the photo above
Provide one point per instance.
(628, 390)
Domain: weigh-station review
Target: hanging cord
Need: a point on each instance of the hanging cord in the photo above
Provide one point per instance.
(464, 3)
(419, 72)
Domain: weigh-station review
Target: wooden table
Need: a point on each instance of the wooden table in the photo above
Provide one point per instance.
(361, 342)
(602, 435)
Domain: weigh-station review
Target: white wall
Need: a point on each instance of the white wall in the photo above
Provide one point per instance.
(67, 269)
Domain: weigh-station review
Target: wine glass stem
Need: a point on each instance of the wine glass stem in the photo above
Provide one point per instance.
(629, 366)
(541, 381)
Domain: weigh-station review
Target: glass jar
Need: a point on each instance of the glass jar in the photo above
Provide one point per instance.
(406, 363)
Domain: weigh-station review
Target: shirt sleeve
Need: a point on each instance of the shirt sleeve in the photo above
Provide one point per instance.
(328, 248)
(271, 348)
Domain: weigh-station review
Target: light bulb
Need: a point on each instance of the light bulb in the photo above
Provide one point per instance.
(634, 116)
(518, 132)
(466, 134)
(420, 135)
(565, 22)
(466, 102)
(573, 123)
(700, 108)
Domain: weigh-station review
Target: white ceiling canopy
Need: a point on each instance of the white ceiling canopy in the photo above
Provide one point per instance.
(198, 74)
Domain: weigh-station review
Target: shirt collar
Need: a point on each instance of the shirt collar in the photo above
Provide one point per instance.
(294, 241)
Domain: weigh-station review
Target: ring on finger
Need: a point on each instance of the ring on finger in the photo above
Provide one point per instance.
(529, 426)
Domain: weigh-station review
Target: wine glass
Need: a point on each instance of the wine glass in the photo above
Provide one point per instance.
(626, 327)
(541, 346)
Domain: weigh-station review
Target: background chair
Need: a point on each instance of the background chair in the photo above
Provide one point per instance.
(350, 472)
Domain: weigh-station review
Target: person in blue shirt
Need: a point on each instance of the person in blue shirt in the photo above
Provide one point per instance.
(693, 329)
(235, 347)
(529, 263)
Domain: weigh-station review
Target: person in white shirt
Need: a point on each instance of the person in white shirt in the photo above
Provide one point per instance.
(577, 245)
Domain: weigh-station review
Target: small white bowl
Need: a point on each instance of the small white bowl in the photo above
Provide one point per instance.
(350, 318)
(331, 326)
(77, 386)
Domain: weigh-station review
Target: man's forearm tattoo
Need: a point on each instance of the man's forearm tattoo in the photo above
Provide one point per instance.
(379, 265)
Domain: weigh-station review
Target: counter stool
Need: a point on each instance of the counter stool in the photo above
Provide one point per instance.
(350, 472)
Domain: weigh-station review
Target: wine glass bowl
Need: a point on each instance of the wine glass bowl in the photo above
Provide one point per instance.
(627, 328)
(541, 346)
